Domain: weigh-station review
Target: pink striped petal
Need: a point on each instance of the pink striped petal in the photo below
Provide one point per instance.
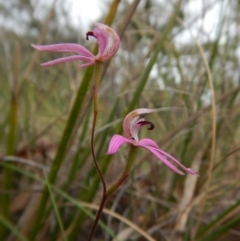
(115, 142)
(153, 147)
(87, 64)
(188, 170)
(161, 157)
(148, 142)
(102, 37)
(130, 126)
(108, 41)
(68, 47)
(69, 58)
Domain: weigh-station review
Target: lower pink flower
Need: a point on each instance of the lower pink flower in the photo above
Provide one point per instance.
(131, 125)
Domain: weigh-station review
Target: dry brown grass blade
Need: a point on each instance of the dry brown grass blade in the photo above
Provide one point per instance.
(184, 206)
(197, 115)
(120, 218)
(40, 39)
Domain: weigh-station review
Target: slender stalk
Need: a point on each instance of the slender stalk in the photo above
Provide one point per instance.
(125, 173)
(97, 79)
(112, 189)
(108, 21)
(99, 213)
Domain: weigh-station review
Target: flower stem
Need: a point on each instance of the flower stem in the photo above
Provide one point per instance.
(125, 173)
(102, 204)
(97, 79)
(112, 189)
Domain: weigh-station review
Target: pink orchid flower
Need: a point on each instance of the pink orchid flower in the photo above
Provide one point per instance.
(108, 44)
(131, 125)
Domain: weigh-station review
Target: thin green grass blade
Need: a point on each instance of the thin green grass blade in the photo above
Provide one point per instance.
(12, 228)
(63, 145)
(59, 191)
(55, 208)
(223, 229)
(207, 228)
(7, 175)
(142, 82)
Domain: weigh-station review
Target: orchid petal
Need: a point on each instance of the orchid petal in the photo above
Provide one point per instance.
(67, 59)
(187, 169)
(150, 144)
(68, 47)
(134, 128)
(102, 38)
(108, 41)
(130, 126)
(87, 64)
(115, 142)
(160, 157)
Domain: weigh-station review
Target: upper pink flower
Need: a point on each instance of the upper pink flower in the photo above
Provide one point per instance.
(131, 125)
(108, 44)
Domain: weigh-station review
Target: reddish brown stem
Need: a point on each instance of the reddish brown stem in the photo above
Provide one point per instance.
(113, 188)
(93, 152)
(103, 202)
